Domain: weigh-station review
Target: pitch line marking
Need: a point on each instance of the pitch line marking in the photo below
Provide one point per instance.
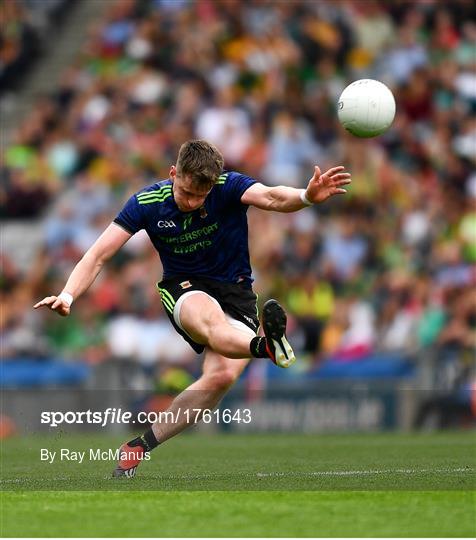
(369, 472)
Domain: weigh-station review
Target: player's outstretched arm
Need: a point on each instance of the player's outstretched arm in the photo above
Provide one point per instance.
(287, 199)
(86, 271)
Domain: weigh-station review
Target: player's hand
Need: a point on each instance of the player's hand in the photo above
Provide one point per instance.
(323, 185)
(55, 303)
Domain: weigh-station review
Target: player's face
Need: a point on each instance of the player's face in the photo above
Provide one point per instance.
(188, 197)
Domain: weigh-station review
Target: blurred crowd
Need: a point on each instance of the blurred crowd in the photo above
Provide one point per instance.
(24, 28)
(389, 267)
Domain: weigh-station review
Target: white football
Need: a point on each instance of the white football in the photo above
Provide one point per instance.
(366, 108)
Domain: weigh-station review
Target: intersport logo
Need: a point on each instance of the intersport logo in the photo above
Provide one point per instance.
(165, 224)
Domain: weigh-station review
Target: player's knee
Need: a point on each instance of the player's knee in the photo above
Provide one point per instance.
(222, 379)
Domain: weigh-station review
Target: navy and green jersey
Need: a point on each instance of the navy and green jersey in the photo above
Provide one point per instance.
(210, 242)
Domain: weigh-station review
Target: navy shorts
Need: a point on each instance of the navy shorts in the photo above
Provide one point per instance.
(237, 300)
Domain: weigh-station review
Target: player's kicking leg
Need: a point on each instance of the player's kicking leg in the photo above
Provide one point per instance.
(206, 323)
(274, 326)
(213, 329)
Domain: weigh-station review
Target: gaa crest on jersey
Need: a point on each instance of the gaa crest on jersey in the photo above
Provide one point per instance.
(203, 212)
(165, 223)
(185, 284)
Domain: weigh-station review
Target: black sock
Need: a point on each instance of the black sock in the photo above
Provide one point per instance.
(148, 441)
(258, 347)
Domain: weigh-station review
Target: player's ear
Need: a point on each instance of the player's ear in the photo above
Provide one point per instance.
(173, 172)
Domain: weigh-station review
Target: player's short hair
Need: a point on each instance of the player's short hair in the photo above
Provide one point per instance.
(200, 160)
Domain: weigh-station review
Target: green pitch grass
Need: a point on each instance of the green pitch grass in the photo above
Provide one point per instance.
(246, 485)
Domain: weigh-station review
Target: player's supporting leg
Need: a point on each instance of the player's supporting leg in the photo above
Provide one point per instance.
(227, 353)
(219, 374)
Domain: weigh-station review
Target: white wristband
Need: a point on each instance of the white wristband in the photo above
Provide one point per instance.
(304, 199)
(66, 297)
